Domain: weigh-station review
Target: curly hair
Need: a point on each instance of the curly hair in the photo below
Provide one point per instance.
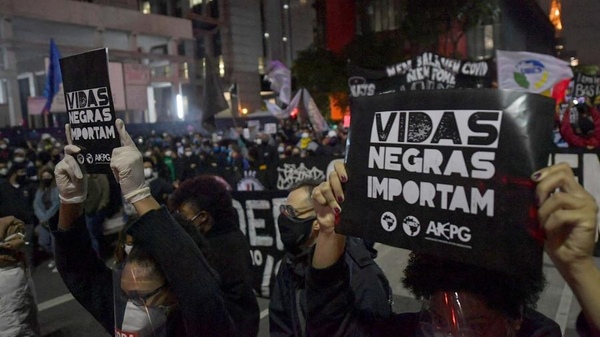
(426, 274)
(206, 193)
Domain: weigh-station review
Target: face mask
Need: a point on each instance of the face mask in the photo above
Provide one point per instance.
(280, 149)
(21, 179)
(147, 154)
(143, 321)
(259, 141)
(294, 232)
(188, 153)
(147, 172)
(47, 182)
(168, 153)
(3, 146)
(128, 248)
(3, 171)
(19, 159)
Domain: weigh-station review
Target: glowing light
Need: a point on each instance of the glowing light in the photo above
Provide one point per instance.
(244, 111)
(179, 106)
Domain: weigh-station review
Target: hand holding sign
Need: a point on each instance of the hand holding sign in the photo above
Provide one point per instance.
(70, 180)
(128, 168)
(568, 214)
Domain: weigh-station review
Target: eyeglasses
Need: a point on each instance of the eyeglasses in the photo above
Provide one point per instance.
(140, 300)
(291, 212)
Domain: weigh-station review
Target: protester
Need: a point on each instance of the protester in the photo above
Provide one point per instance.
(206, 202)
(45, 206)
(16, 199)
(159, 188)
(463, 300)
(165, 286)
(18, 309)
(299, 230)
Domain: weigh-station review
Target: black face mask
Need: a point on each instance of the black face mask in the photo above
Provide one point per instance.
(21, 180)
(294, 232)
(47, 182)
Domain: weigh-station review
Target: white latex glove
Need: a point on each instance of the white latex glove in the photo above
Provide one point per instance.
(70, 181)
(128, 167)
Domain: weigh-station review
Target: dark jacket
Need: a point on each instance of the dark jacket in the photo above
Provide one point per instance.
(330, 312)
(231, 260)
(160, 189)
(17, 201)
(202, 311)
(287, 307)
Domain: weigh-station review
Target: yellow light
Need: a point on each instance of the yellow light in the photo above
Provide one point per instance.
(557, 12)
(244, 111)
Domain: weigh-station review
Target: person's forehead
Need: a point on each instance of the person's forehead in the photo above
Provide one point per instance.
(187, 209)
(136, 277)
(298, 198)
(47, 174)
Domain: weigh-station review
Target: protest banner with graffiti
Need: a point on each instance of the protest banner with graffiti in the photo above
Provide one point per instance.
(447, 172)
(424, 72)
(292, 170)
(586, 86)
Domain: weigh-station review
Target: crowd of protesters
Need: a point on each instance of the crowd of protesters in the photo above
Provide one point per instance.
(28, 191)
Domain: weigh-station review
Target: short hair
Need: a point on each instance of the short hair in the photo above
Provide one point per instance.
(205, 193)
(14, 168)
(148, 160)
(510, 294)
(141, 257)
(308, 184)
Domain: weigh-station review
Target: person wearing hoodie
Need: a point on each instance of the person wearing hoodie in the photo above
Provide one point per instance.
(206, 202)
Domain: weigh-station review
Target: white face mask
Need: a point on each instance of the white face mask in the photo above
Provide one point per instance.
(168, 153)
(128, 248)
(3, 146)
(143, 322)
(19, 159)
(3, 171)
(148, 172)
(147, 154)
(259, 141)
(188, 153)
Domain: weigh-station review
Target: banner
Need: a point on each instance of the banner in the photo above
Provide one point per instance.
(90, 108)
(530, 72)
(292, 170)
(447, 172)
(258, 212)
(425, 72)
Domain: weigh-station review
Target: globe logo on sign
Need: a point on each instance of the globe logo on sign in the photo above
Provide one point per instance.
(411, 226)
(80, 159)
(388, 221)
(530, 74)
(89, 158)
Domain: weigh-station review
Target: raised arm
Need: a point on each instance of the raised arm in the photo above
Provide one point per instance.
(326, 201)
(569, 216)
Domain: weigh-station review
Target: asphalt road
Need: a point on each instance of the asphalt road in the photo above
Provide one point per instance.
(60, 315)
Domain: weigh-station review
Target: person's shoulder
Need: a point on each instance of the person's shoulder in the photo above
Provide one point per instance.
(537, 324)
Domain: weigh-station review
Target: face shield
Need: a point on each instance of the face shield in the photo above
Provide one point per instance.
(138, 297)
(457, 314)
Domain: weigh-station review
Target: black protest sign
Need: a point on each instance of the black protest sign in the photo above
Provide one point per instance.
(427, 71)
(90, 107)
(257, 213)
(586, 85)
(447, 172)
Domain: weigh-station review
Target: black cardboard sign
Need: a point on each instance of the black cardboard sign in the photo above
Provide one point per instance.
(90, 108)
(446, 172)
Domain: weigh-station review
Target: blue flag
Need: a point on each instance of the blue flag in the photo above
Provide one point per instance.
(53, 78)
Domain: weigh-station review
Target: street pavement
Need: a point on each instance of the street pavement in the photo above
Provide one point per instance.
(61, 316)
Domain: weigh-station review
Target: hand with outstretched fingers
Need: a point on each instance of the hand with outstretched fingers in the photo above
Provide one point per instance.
(568, 214)
(70, 180)
(128, 167)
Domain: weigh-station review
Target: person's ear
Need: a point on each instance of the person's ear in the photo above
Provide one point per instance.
(316, 226)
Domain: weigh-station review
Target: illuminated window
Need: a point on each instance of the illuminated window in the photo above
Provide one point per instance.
(146, 9)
